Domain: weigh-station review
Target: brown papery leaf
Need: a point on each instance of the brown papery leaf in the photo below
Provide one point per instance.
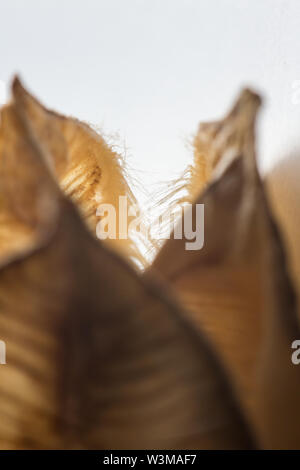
(87, 169)
(237, 288)
(97, 356)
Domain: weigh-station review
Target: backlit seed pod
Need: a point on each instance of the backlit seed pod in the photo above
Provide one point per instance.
(98, 357)
(196, 352)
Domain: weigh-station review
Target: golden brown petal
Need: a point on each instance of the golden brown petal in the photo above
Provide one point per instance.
(97, 357)
(237, 288)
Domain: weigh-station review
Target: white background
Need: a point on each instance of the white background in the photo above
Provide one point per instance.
(151, 70)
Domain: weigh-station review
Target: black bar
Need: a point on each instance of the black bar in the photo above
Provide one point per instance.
(131, 459)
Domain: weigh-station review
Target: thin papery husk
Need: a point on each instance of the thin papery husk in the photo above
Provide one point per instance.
(97, 356)
(87, 169)
(22, 207)
(213, 141)
(237, 288)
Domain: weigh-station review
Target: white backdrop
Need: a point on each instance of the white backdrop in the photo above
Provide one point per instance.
(152, 69)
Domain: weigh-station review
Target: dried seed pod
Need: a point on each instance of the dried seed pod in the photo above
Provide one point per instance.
(237, 288)
(97, 356)
(87, 169)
